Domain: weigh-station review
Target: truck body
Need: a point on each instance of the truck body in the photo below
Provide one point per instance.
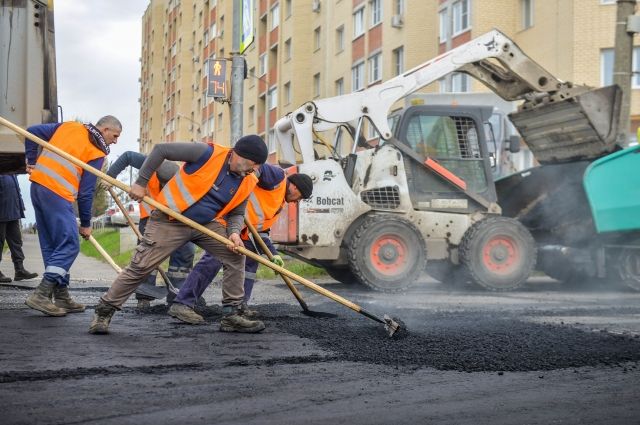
(28, 91)
(423, 194)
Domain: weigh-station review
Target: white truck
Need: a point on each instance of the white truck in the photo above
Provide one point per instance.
(424, 195)
(28, 90)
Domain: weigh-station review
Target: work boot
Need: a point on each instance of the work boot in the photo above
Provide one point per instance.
(22, 273)
(4, 279)
(185, 313)
(63, 300)
(102, 318)
(234, 322)
(248, 313)
(40, 299)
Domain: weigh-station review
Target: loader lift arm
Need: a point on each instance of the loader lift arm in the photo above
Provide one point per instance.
(496, 61)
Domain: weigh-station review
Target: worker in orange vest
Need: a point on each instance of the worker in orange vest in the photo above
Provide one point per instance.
(180, 260)
(273, 191)
(55, 184)
(211, 189)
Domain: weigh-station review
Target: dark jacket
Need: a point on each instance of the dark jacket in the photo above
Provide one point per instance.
(11, 205)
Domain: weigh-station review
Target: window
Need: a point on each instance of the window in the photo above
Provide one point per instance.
(376, 12)
(273, 97)
(460, 12)
(357, 77)
(212, 125)
(527, 13)
(317, 42)
(460, 83)
(219, 122)
(287, 8)
(607, 63)
(316, 85)
(275, 16)
(606, 67)
(398, 60)
(287, 93)
(358, 22)
(339, 85)
(262, 65)
(340, 38)
(444, 28)
(287, 49)
(398, 8)
(213, 30)
(375, 68)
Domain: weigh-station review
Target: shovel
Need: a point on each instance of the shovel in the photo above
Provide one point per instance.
(135, 229)
(391, 326)
(104, 253)
(294, 290)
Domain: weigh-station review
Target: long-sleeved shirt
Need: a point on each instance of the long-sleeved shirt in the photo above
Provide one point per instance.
(135, 159)
(87, 181)
(195, 155)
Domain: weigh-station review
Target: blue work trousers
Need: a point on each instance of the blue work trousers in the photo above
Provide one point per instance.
(206, 270)
(57, 231)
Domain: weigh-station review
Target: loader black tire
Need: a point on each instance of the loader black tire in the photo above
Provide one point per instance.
(498, 253)
(387, 253)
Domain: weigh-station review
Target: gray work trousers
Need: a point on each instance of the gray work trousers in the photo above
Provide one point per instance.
(161, 237)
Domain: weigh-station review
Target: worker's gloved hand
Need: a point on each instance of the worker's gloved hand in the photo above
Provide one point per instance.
(277, 260)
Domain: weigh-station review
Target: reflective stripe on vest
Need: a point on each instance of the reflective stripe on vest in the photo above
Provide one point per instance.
(58, 174)
(265, 205)
(184, 190)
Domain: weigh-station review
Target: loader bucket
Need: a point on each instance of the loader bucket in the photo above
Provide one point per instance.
(582, 127)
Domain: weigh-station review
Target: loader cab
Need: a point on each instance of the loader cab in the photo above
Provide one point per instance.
(457, 138)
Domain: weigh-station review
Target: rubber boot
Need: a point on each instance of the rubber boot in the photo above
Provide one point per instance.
(63, 300)
(4, 279)
(22, 273)
(233, 321)
(40, 300)
(102, 319)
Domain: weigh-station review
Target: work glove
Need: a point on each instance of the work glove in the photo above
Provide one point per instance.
(277, 260)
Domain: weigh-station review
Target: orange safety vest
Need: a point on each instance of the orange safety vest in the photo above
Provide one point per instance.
(154, 190)
(184, 190)
(264, 206)
(56, 173)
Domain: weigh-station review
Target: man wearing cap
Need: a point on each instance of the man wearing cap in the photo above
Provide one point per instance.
(273, 191)
(211, 189)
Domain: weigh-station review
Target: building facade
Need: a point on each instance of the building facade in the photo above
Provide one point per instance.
(311, 49)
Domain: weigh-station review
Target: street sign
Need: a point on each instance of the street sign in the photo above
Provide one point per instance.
(217, 78)
(247, 25)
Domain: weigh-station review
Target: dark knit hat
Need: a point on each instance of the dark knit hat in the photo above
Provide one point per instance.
(303, 183)
(252, 147)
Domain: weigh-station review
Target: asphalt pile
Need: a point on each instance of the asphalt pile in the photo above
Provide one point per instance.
(460, 341)
(469, 342)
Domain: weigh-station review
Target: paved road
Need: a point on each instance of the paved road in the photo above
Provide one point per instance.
(537, 356)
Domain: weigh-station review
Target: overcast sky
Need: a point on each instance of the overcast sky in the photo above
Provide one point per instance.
(97, 51)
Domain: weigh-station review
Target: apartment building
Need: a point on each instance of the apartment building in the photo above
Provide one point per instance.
(311, 49)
